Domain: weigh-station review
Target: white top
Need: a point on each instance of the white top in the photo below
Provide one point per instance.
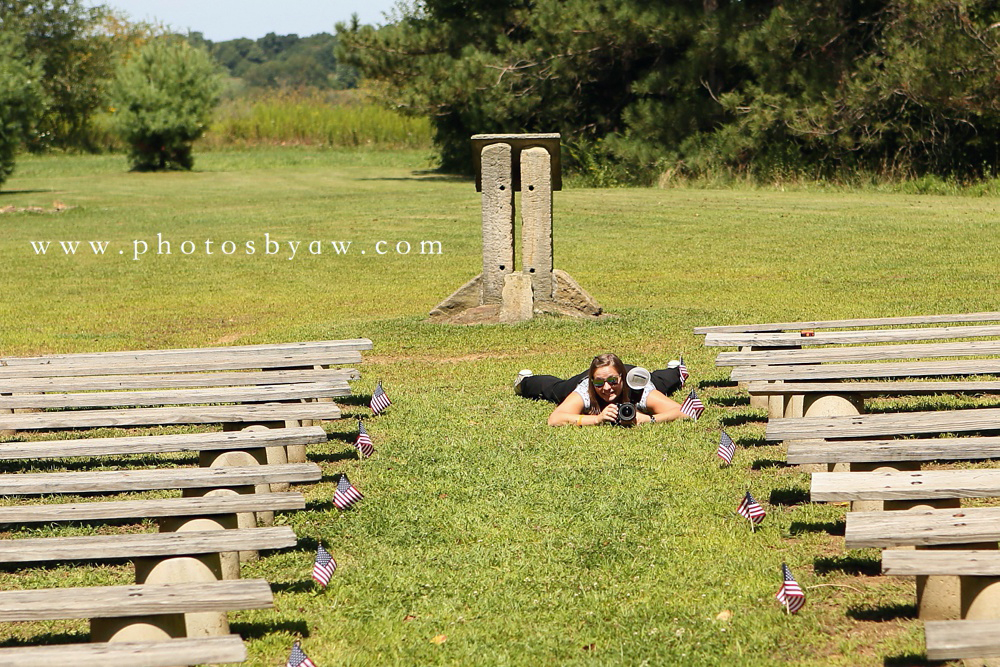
(581, 389)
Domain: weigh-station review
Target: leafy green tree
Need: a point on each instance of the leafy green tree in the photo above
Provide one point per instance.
(21, 99)
(163, 98)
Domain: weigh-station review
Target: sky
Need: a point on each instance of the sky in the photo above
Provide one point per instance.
(222, 20)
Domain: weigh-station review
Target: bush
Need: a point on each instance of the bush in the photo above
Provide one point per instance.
(162, 100)
(21, 100)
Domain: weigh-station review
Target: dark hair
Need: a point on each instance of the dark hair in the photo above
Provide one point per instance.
(600, 361)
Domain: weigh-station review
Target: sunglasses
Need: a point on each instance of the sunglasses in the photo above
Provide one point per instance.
(613, 380)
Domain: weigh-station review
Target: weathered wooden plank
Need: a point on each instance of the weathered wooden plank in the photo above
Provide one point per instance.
(179, 365)
(917, 449)
(956, 562)
(142, 545)
(969, 525)
(890, 423)
(137, 600)
(848, 337)
(152, 508)
(867, 353)
(846, 324)
(190, 414)
(873, 388)
(865, 371)
(158, 444)
(194, 353)
(110, 481)
(949, 640)
(184, 651)
(175, 380)
(254, 394)
(904, 485)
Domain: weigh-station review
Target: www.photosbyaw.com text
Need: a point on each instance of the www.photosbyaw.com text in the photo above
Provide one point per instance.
(265, 246)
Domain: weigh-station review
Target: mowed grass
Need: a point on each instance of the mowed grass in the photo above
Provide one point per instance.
(486, 537)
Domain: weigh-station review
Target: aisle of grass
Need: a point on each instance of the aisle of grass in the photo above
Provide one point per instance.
(518, 543)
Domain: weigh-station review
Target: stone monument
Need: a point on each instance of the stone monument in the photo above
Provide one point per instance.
(505, 164)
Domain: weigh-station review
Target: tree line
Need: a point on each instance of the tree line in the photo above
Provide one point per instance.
(817, 88)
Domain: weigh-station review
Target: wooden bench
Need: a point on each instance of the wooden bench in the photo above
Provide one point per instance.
(950, 640)
(922, 527)
(915, 450)
(141, 612)
(887, 424)
(977, 571)
(825, 355)
(69, 383)
(180, 652)
(867, 322)
(782, 339)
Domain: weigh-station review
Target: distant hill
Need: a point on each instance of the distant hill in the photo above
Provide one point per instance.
(276, 61)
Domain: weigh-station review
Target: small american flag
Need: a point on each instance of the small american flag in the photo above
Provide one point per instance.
(692, 406)
(726, 448)
(364, 443)
(683, 370)
(790, 594)
(324, 567)
(298, 658)
(345, 495)
(751, 509)
(380, 401)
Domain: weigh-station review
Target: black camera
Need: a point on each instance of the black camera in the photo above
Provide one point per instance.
(626, 414)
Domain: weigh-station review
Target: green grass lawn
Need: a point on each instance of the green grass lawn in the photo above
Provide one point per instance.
(486, 537)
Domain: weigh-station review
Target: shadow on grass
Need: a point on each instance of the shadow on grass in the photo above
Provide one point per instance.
(788, 497)
(761, 464)
(706, 384)
(910, 660)
(4, 193)
(301, 586)
(424, 175)
(260, 630)
(96, 464)
(731, 401)
(739, 420)
(754, 442)
(334, 458)
(828, 527)
(49, 638)
(869, 567)
(890, 612)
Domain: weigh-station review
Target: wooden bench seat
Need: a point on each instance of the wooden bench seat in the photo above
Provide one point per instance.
(887, 424)
(922, 527)
(254, 394)
(866, 371)
(113, 481)
(136, 600)
(804, 452)
(904, 485)
(159, 444)
(144, 545)
(825, 355)
(851, 323)
(781, 339)
(950, 640)
(956, 562)
(175, 380)
(874, 388)
(179, 652)
(152, 508)
(193, 414)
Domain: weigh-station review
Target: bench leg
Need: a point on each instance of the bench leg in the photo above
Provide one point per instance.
(824, 405)
(230, 560)
(878, 505)
(245, 457)
(187, 569)
(981, 601)
(243, 519)
(137, 628)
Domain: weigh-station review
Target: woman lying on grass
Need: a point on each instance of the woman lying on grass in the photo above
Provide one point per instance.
(594, 397)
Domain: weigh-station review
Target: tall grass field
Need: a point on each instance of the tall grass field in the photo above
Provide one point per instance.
(485, 536)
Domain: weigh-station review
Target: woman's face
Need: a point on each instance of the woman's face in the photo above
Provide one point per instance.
(603, 385)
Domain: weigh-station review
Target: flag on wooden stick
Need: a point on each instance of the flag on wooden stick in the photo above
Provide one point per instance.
(751, 509)
(790, 594)
(298, 658)
(364, 443)
(324, 567)
(345, 495)
(726, 448)
(692, 406)
(683, 370)
(380, 400)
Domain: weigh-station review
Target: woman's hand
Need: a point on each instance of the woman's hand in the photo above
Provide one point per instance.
(609, 413)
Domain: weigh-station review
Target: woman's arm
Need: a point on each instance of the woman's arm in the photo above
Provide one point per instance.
(661, 407)
(570, 411)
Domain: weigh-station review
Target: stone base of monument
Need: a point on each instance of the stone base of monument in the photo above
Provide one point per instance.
(465, 305)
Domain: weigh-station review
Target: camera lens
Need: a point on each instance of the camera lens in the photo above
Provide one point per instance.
(626, 412)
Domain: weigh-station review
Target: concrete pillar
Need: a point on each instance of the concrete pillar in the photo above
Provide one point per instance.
(187, 569)
(230, 561)
(980, 601)
(517, 304)
(498, 220)
(536, 220)
(881, 466)
(137, 628)
(827, 405)
(248, 457)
